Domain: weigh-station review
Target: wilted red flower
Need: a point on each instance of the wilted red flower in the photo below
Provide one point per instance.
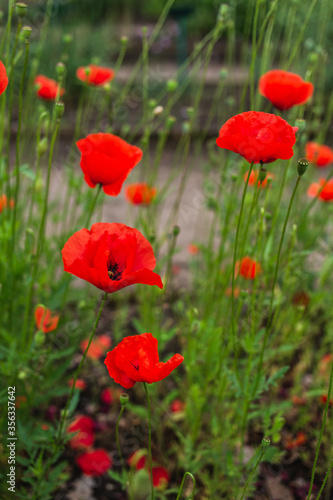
(94, 463)
(139, 460)
(258, 137)
(136, 359)
(298, 441)
(3, 78)
(177, 406)
(284, 89)
(45, 320)
(4, 203)
(98, 346)
(107, 396)
(47, 88)
(107, 160)
(140, 193)
(322, 189)
(193, 249)
(248, 268)
(80, 383)
(85, 437)
(318, 154)
(110, 257)
(94, 75)
(253, 180)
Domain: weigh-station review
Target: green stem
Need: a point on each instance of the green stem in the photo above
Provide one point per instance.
(117, 438)
(327, 475)
(93, 205)
(149, 442)
(79, 369)
(252, 473)
(273, 289)
(182, 486)
(321, 437)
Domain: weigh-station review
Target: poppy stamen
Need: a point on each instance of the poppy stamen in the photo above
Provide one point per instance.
(113, 272)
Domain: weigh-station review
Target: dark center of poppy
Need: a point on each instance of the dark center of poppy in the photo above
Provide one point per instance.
(113, 272)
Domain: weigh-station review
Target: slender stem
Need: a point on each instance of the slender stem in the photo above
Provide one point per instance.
(182, 486)
(117, 438)
(253, 471)
(325, 479)
(273, 289)
(149, 442)
(79, 369)
(321, 437)
(93, 204)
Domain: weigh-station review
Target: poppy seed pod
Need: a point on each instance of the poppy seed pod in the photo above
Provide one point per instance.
(26, 31)
(123, 399)
(302, 165)
(59, 109)
(21, 9)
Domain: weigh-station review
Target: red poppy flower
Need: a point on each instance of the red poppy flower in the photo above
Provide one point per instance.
(140, 194)
(136, 359)
(324, 362)
(258, 137)
(177, 406)
(323, 400)
(47, 88)
(192, 249)
(322, 190)
(139, 460)
(3, 78)
(94, 463)
(80, 383)
(45, 321)
(4, 203)
(85, 437)
(284, 89)
(98, 346)
(318, 154)
(110, 256)
(253, 180)
(298, 441)
(94, 75)
(298, 401)
(248, 268)
(107, 396)
(107, 160)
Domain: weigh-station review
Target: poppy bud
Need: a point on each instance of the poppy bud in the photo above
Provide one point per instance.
(60, 68)
(265, 442)
(59, 109)
(172, 85)
(186, 127)
(123, 399)
(262, 175)
(190, 112)
(301, 124)
(234, 177)
(223, 74)
(124, 40)
(43, 146)
(302, 165)
(152, 103)
(211, 203)
(39, 338)
(171, 120)
(176, 230)
(230, 101)
(313, 57)
(67, 38)
(22, 374)
(21, 9)
(125, 129)
(26, 31)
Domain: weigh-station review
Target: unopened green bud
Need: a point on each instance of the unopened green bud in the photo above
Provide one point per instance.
(125, 129)
(59, 109)
(265, 442)
(22, 374)
(26, 31)
(302, 165)
(124, 40)
(176, 230)
(223, 73)
(172, 85)
(234, 177)
(43, 146)
(21, 9)
(171, 120)
(123, 399)
(152, 103)
(230, 101)
(186, 127)
(67, 38)
(262, 174)
(39, 338)
(262, 211)
(212, 204)
(313, 57)
(60, 68)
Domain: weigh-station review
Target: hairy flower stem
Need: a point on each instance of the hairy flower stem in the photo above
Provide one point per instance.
(63, 419)
(182, 486)
(233, 326)
(320, 439)
(149, 442)
(270, 311)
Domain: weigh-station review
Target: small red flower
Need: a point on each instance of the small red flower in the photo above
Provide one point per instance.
(253, 180)
(140, 194)
(318, 154)
(3, 78)
(47, 88)
(107, 396)
(322, 190)
(45, 321)
(4, 203)
(85, 437)
(139, 460)
(299, 440)
(192, 249)
(323, 400)
(136, 359)
(94, 463)
(284, 89)
(107, 160)
(324, 362)
(80, 384)
(248, 268)
(98, 346)
(258, 137)
(94, 75)
(298, 401)
(177, 406)
(111, 257)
